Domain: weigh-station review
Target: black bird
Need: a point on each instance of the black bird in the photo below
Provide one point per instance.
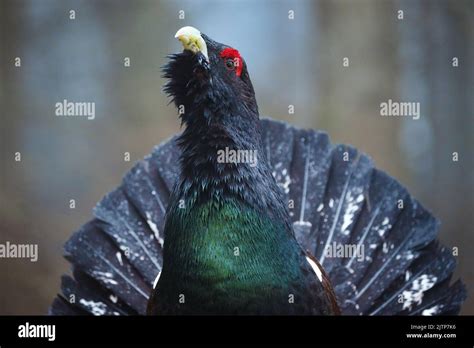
(238, 215)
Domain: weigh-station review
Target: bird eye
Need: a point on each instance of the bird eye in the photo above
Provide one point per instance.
(229, 63)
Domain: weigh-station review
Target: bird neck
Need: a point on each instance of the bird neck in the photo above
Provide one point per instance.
(222, 159)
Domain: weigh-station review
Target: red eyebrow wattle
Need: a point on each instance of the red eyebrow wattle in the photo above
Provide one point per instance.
(232, 53)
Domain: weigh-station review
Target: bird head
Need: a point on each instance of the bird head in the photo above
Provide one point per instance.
(208, 81)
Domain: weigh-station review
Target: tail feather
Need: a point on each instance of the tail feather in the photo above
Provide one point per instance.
(279, 153)
(87, 295)
(150, 197)
(312, 151)
(442, 300)
(428, 273)
(62, 307)
(410, 232)
(120, 220)
(164, 161)
(148, 186)
(93, 252)
(372, 227)
(344, 198)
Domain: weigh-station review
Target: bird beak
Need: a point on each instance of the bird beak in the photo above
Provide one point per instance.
(192, 40)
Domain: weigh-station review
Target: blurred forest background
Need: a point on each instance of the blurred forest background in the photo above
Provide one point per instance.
(295, 62)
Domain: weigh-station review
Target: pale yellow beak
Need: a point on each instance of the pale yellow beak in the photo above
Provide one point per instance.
(192, 40)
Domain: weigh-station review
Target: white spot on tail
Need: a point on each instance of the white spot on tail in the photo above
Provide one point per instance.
(96, 308)
(418, 287)
(154, 228)
(407, 275)
(384, 227)
(105, 277)
(119, 258)
(282, 177)
(353, 205)
(431, 311)
(113, 298)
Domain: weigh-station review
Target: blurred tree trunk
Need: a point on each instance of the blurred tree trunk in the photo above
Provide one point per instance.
(432, 34)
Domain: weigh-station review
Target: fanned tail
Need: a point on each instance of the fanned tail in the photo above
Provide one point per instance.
(390, 262)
